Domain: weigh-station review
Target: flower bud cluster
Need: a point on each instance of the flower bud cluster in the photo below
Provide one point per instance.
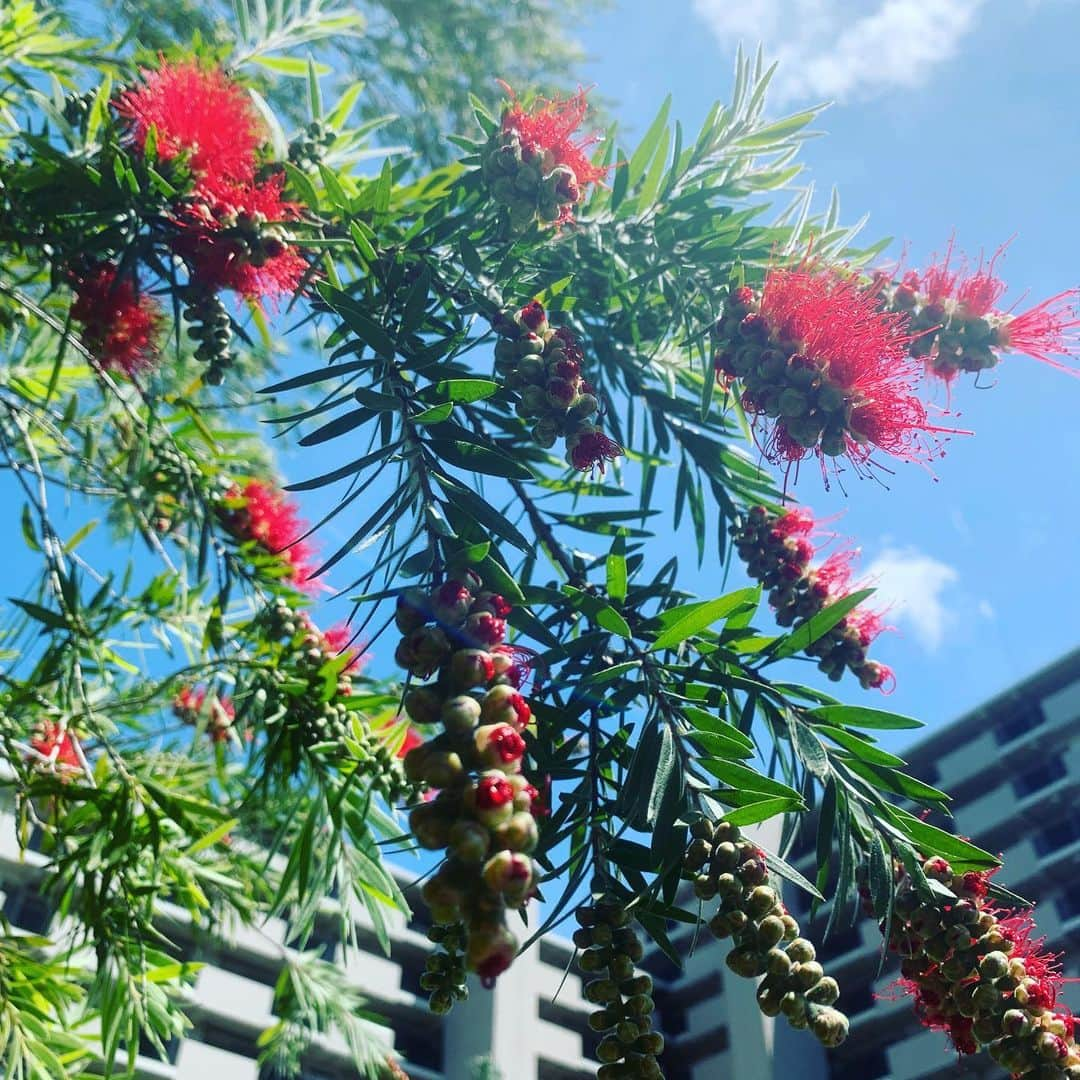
(534, 167)
(309, 660)
(195, 705)
(444, 971)
(825, 371)
(957, 323)
(544, 366)
(483, 812)
(975, 973)
(307, 148)
(948, 336)
(211, 329)
(309, 691)
(766, 941)
(610, 950)
(780, 382)
(778, 551)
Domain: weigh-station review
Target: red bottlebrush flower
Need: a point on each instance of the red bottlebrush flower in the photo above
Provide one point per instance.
(58, 745)
(797, 521)
(514, 663)
(272, 520)
(484, 629)
(777, 550)
(855, 358)
(533, 316)
(832, 578)
(590, 449)
(493, 792)
(570, 344)
(547, 131)
(198, 111)
(966, 330)
(508, 745)
(338, 639)
(120, 326)
(190, 703)
(493, 954)
(231, 240)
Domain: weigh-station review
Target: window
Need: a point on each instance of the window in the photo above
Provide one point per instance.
(419, 1047)
(867, 1067)
(1068, 904)
(1059, 835)
(28, 909)
(1025, 718)
(1041, 776)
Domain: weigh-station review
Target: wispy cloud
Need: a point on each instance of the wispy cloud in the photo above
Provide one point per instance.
(910, 584)
(843, 49)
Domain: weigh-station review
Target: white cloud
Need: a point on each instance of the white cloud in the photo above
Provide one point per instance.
(910, 584)
(841, 49)
(986, 610)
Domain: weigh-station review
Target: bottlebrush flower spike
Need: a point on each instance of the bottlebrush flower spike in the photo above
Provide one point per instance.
(235, 239)
(51, 741)
(482, 815)
(976, 972)
(544, 365)
(960, 327)
(120, 326)
(269, 518)
(535, 165)
(198, 111)
(190, 703)
(825, 371)
(777, 550)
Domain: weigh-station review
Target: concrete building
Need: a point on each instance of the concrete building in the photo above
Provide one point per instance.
(1013, 768)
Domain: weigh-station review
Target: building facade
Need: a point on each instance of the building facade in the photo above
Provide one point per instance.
(1013, 769)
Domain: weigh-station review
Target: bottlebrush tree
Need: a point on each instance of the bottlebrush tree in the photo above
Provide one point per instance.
(499, 357)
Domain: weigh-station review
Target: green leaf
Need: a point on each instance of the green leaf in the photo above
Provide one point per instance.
(719, 744)
(930, 840)
(639, 162)
(807, 632)
(608, 618)
(29, 535)
(762, 810)
(474, 458)
(897, 782)
(485, 515)
(358, 320)
(808, 746)
(861, 747)
(435, 415)
(702, 616)
(291, 66)
(363, 244)
(466, 390)
(860, 716)
(743, 778)
(881, 878)
(614, 672)
(616, 570)
(213, 837)
(52, 619)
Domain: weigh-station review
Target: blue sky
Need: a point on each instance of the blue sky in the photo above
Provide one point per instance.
(948, 115)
